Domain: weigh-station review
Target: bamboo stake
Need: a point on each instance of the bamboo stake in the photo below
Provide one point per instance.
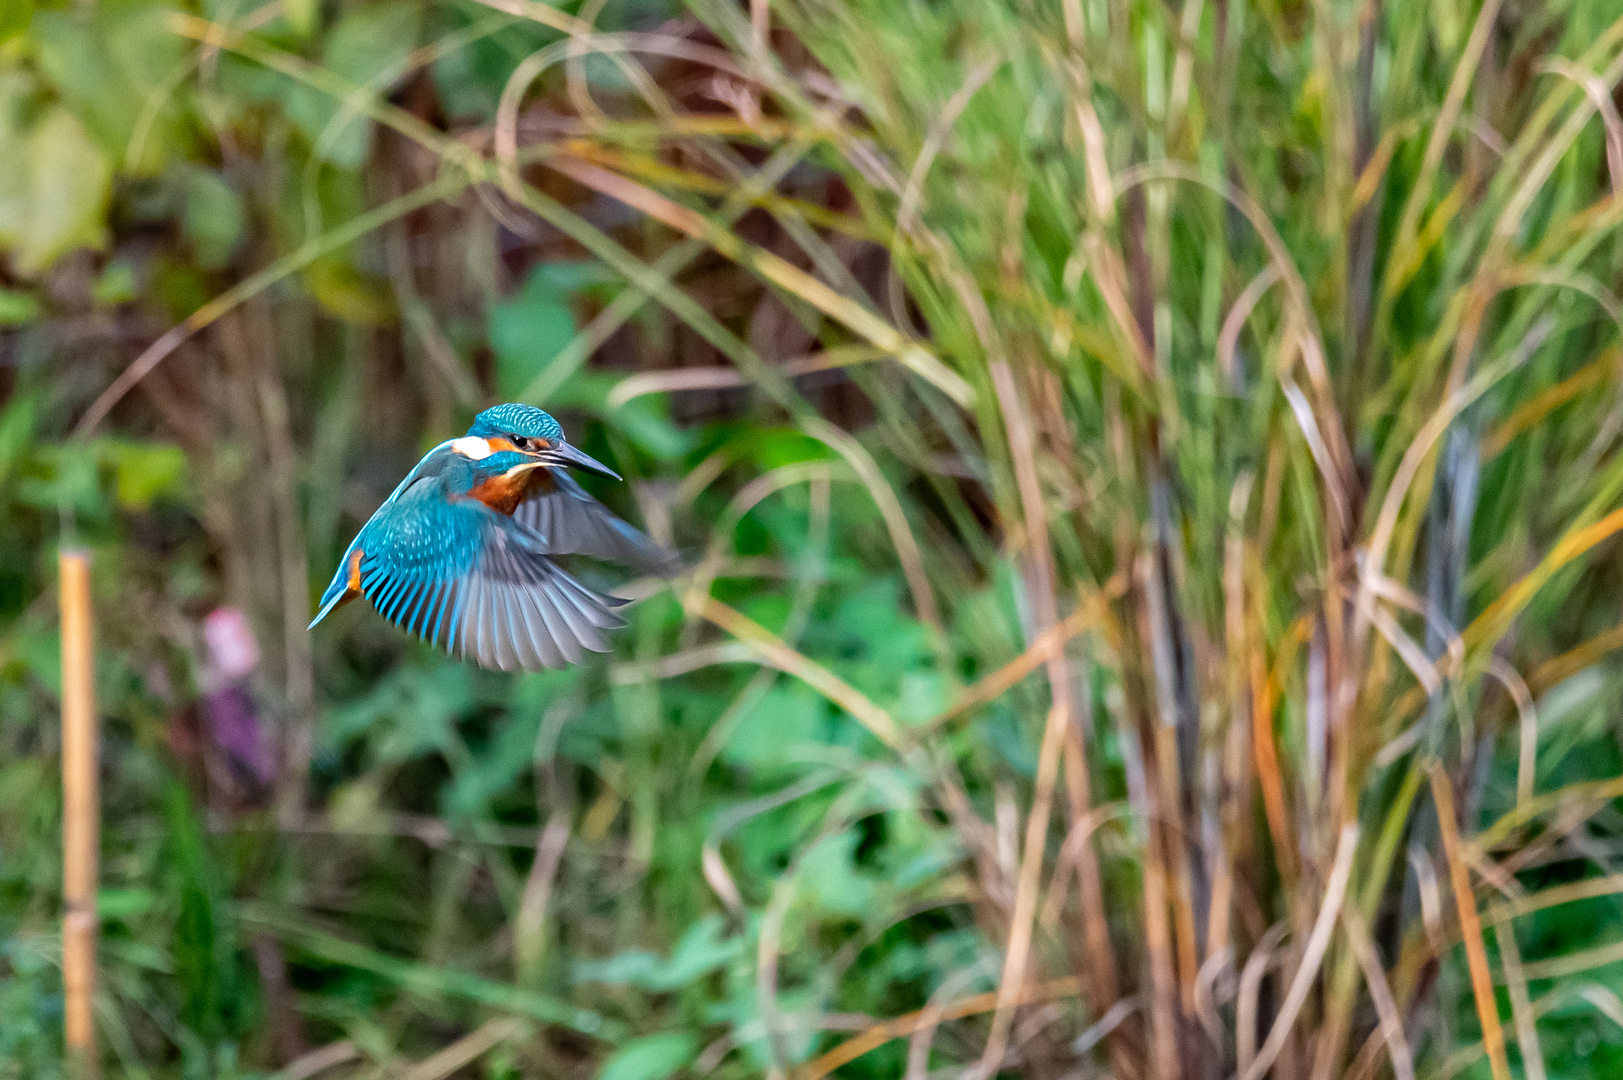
(1476, 955)
(80, 811)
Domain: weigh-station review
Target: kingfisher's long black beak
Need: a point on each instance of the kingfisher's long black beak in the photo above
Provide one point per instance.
(564, 454)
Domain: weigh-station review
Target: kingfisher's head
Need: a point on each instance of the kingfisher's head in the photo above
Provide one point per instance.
(525, 436)
(525, 426)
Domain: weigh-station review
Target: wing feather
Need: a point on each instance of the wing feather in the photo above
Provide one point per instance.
(559, 629)
(571, 522)
(475, 582)
(550, 646)
(518, 632)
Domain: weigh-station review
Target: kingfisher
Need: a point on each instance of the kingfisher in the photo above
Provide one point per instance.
(461, 553)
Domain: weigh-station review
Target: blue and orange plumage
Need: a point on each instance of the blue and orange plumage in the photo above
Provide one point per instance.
(459, 554)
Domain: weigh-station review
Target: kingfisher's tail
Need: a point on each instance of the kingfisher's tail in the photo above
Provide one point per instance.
(344, 587)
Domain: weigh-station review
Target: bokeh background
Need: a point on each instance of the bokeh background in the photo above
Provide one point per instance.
(1147, 472)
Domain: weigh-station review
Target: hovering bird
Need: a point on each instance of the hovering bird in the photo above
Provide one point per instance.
(460, 554)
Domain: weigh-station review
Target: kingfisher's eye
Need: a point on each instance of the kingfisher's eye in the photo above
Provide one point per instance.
(521, 442)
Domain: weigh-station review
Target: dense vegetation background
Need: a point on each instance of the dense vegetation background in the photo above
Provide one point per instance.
(1147, 471)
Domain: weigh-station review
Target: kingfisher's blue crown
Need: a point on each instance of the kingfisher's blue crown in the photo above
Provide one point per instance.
(526, 421)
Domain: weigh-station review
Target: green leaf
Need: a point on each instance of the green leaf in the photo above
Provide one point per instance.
(478, 782)
(54, 186)
(571, 277)
(411, 713)
(115, 284)
(349, 294)
(829, 878)
(432, 981)
(146, 471)
(213, 218)
(652, 1057)
(780, 730)
(302, 15)
(15, 15)
(112, 68)
(702, 950)
(56, 475)
(631, 968)
(923, 694)
(469, 81)
(526, 332)
(367, 49)
(772, 448)
(17, 422)
(123, 903)
(180, 287)
(17, 308)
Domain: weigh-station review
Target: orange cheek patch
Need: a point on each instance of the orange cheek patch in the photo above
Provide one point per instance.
(497, 446)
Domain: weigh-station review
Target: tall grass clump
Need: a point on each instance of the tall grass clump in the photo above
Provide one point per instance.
(1148, 474)
(1290, 348)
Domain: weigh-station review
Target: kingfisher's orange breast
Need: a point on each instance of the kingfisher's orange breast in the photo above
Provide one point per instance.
(502, 493)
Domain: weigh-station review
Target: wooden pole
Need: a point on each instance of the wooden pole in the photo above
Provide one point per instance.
(81, 812)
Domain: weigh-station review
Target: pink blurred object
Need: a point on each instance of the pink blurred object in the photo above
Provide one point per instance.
(233, 726)
(233, 652)
(230, 716)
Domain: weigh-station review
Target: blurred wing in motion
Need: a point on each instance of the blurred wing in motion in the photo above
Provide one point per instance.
(570, 522)
(473, 581)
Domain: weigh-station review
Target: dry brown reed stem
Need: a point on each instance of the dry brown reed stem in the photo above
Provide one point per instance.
(1264, 689)
(1062, 725)
(1249, 991)
(1335, 890)
(465, 1050)
(81, 810)
(767, 946)
(1533, 412)
(1563, 966)
(545, 14)
(1521, 1002)
(1496, 617)
(1232, 843)
(1476, 955)
(1228, 339)
(905, 1025)
(992, 686)
(1575, 660)
(858, 319)
(1158, 943)
(774, 651)
(1011, 987)
(318, 1060)
(1585, 798)
(720, 377)
(1078, 840)
(1390, 1028)
(1170, 858)
(529, 924)
(1572, 892)
(923, 1037)
(890, 509)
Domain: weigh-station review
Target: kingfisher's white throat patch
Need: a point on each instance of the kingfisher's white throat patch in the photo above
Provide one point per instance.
(472, 446)
(521, 468)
